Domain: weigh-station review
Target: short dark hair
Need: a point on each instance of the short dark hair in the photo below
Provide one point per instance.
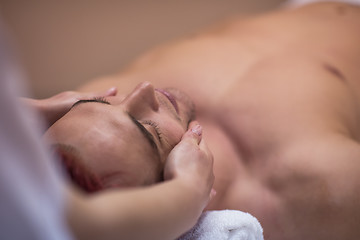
(78, 173)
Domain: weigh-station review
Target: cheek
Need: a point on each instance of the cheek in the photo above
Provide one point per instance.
(173, 133)
(144, 168)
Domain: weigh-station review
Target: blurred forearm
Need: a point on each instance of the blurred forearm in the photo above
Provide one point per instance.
(163, 211)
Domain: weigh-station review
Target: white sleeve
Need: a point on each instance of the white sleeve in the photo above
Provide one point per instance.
(32, 196)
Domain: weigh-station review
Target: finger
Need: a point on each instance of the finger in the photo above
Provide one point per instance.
(204, 147)
(212, 193)
(193, 124)
(111, 92)
(193, 134)
(108, 93)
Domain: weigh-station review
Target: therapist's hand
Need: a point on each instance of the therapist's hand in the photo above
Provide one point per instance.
(55, 107)
(192, 161)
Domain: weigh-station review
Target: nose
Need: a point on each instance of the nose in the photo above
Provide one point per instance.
(141, 99)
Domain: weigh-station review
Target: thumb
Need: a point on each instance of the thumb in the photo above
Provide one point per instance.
(194, 133)
(212, 193)
(111, 92)
(107, 93)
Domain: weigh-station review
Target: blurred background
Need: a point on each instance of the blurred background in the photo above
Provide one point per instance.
(62, 44)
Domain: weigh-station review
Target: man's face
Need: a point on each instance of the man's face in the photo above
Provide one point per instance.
(125, 140)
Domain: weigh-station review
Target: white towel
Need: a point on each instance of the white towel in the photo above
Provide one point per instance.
(225, 224)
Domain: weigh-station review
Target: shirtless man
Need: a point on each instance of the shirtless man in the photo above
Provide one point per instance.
(278, 98)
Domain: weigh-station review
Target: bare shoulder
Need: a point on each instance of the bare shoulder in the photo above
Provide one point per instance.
(340, 7)
(318, 182)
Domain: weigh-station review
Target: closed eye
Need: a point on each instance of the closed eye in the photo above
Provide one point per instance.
(149, 137)
(156, 127)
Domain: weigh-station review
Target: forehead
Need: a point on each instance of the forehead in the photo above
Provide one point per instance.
(103, 127)
(110, 145)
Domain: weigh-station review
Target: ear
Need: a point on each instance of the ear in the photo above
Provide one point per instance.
(78, 173)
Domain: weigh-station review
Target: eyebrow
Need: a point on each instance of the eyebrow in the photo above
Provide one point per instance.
(95, 100)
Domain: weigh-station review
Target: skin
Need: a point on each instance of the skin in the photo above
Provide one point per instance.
(152, 212)
(107, 134)
(278, 97)
(55, 107)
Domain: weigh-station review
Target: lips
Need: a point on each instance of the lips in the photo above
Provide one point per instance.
(170, 97)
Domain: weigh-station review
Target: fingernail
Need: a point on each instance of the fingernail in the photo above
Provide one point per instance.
(111, 90)
(213, 192)
(197, 129)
